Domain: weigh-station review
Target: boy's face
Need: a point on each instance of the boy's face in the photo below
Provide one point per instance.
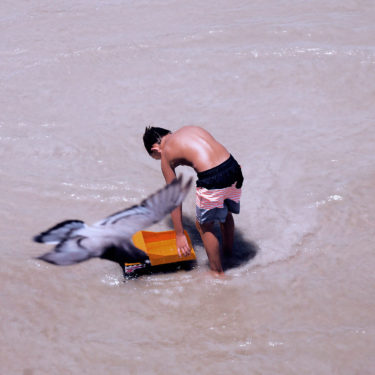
(155, 151)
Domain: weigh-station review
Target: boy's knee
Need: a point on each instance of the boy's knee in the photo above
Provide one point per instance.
(198, 225)
(204, 227)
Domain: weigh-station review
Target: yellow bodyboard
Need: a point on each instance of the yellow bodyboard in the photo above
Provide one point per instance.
(161, 247)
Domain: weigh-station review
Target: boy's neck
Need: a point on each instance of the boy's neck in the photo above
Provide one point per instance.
(163, 140)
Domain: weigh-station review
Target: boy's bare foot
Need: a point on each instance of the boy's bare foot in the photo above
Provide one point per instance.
(216, 275)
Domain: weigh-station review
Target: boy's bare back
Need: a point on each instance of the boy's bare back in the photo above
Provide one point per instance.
(195, 147)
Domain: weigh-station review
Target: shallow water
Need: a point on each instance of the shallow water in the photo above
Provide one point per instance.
(287, 87)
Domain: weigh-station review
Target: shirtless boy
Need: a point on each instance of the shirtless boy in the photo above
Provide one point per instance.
(218, 186)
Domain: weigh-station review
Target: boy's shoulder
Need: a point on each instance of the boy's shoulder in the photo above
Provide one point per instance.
(179, 137)
(189, 131)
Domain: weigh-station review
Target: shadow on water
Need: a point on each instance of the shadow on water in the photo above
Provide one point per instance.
(243, 251)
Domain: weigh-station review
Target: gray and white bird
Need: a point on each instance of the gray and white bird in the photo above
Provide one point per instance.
(111, 238)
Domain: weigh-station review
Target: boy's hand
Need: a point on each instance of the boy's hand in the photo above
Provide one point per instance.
(183, 247)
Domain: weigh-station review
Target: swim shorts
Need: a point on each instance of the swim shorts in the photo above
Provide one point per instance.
(219, 191)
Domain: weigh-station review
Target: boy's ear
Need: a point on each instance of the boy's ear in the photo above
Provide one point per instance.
(156, 151)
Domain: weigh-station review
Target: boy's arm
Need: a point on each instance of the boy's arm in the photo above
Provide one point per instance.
(183, 247)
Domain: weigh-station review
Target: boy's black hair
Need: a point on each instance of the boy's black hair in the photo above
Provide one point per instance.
(153, 135)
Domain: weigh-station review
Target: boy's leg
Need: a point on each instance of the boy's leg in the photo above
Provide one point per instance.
(227, 232)
(211, 244)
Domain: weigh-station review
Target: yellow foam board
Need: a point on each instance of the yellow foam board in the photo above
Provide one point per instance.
(161, 247)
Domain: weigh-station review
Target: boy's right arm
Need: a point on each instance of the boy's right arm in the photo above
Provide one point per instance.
(183, 247)
(182, 244)
(168, 172)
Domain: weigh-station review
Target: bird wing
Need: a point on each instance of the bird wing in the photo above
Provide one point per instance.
(66, 253)
(59, 232)
(150, 210)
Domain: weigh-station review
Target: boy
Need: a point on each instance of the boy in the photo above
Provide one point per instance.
(218, 186)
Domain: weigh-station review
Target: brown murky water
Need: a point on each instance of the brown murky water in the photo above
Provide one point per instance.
(287, 86)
